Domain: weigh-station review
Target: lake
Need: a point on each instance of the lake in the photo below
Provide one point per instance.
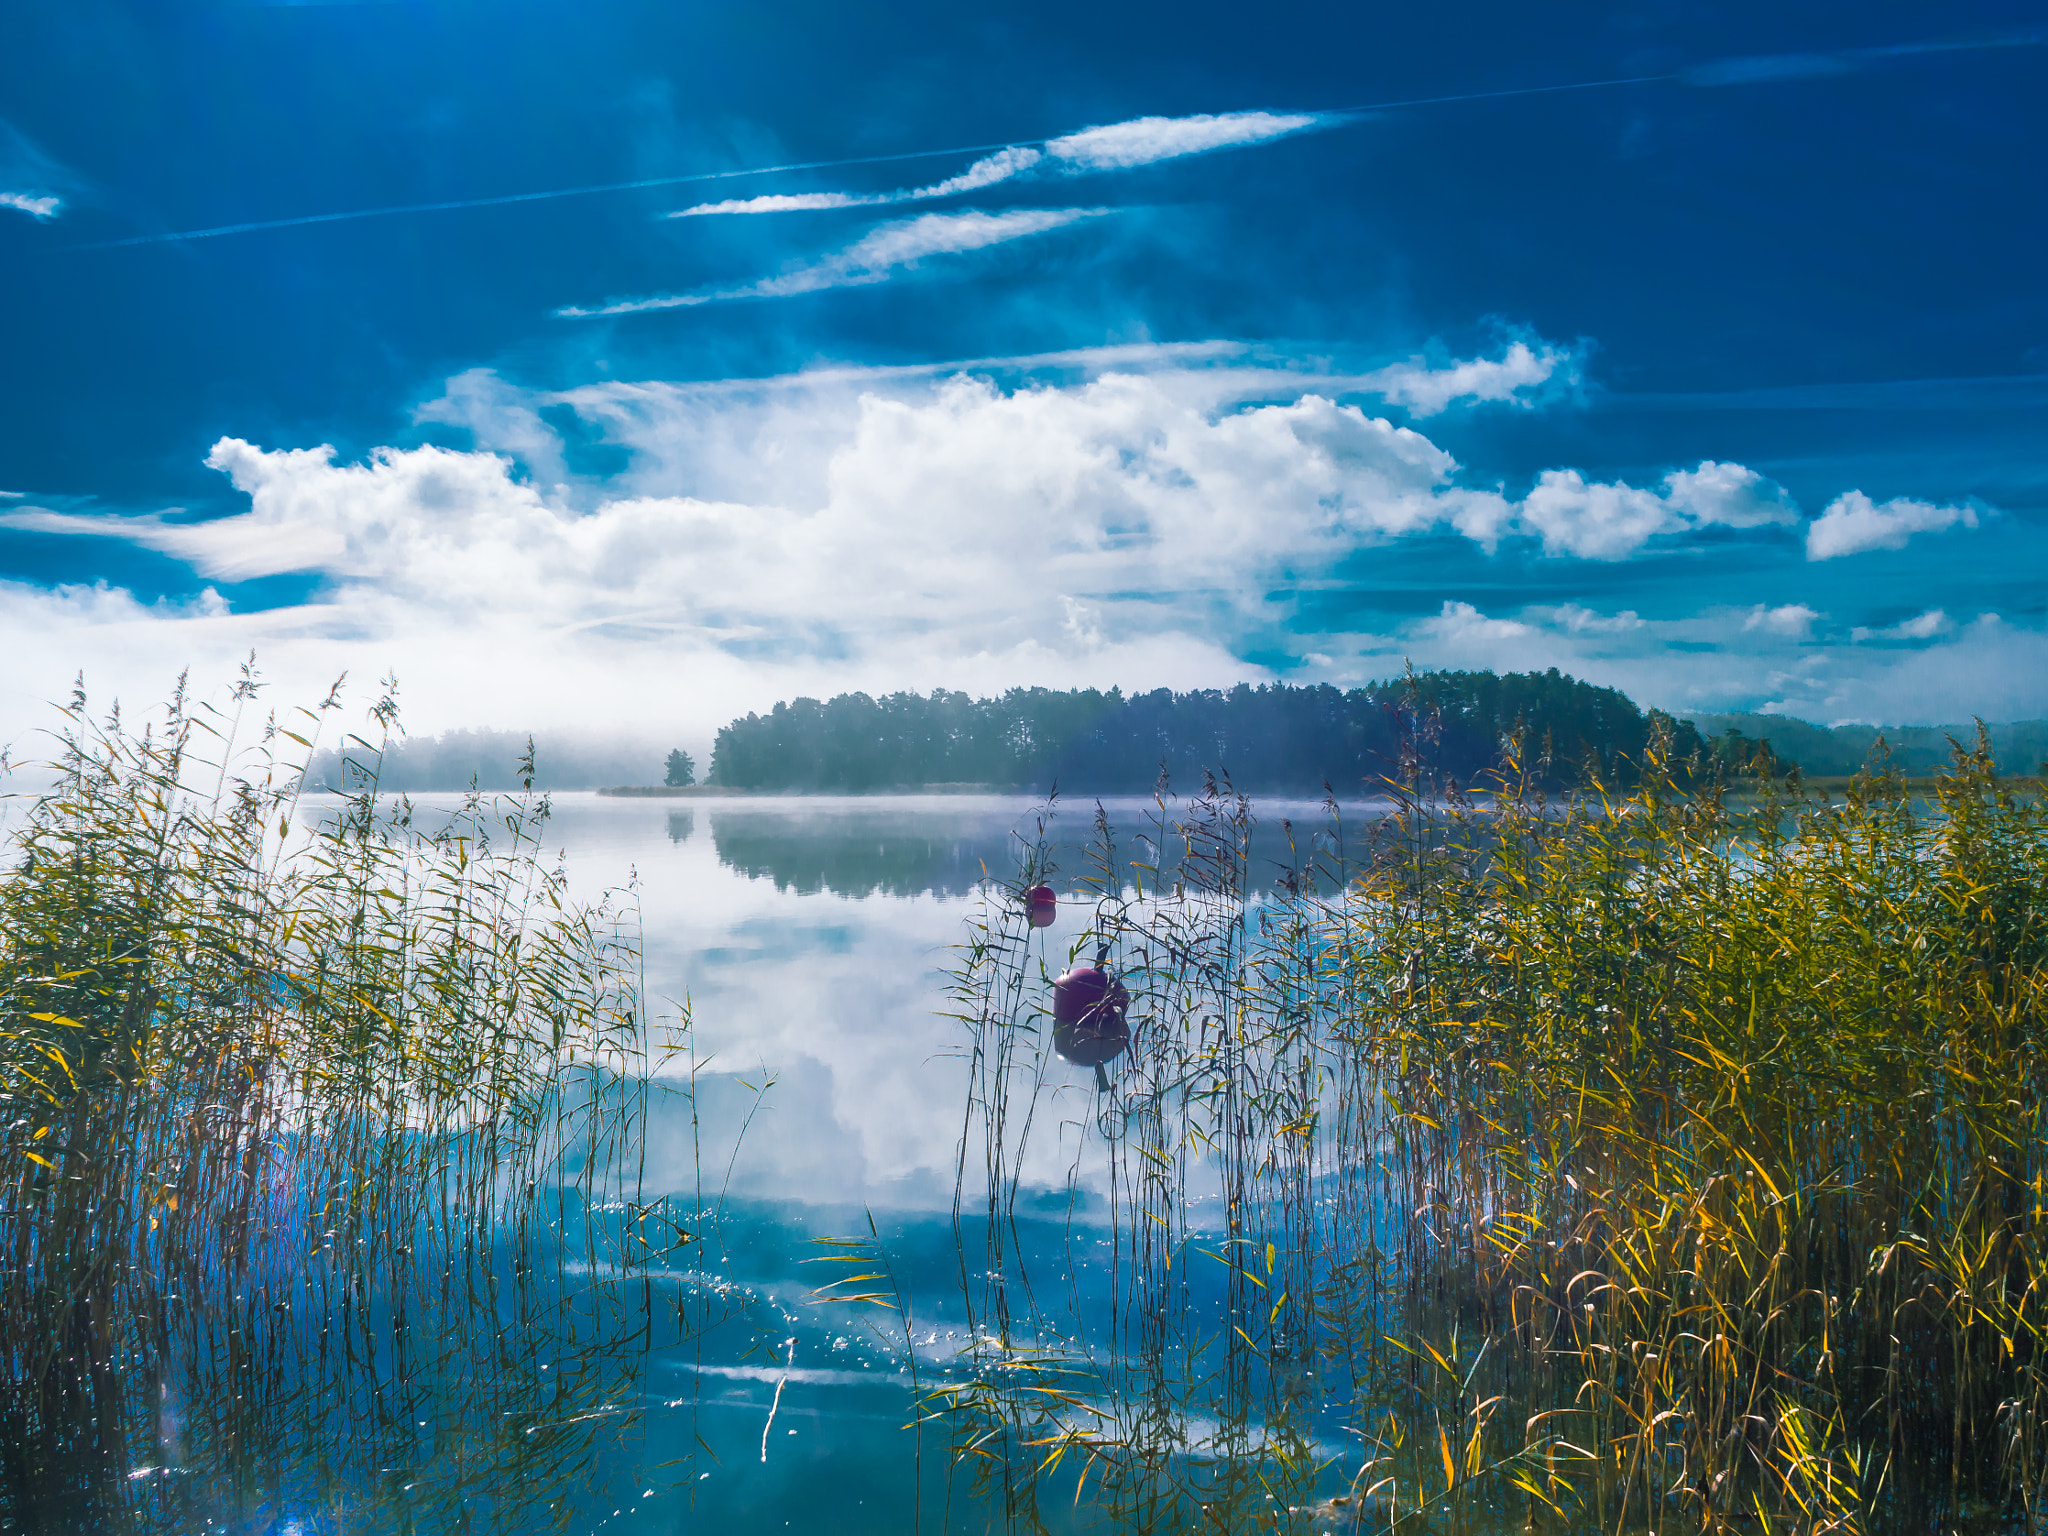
(820, 1106)
(1531, 1166)
(1423, 1191)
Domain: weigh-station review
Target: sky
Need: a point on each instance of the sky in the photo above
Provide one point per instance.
(619, 368)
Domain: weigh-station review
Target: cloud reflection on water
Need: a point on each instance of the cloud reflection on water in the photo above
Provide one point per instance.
(811, 936)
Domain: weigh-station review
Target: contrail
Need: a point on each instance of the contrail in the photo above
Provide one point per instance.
(531, 197)
(1520, 90)
(759, 170)
(1718, 72)
(253, 225)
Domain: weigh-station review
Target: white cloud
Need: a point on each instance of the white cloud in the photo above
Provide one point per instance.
(1425, 390)
(1118, 484)
(1792, 620)
(872, 258)
(1586, 621)
(779, 202)
(1730, 495)
(1613, 522)
(856, 533)
(1148, 140)
(42, 207)
(1463, 624)
(34, 182)
(1594, 521)
(1110, 147)
(1924, 626)
(1854, 523)
(880, 529)
(985, 172)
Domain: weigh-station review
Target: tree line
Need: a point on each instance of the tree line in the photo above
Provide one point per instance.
(1273, 737)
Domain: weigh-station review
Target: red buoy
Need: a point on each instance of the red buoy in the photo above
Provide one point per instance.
(1088, 1016)
(1042, 905)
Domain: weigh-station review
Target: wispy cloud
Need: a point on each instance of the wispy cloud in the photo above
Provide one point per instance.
(1923, 626)
(41, 208)
(1114, 146)
(985, 172)
(870, 259)
(1111, 147)
(1854, 523)
(1149, 140)
(777, 202)
(270, 547)
(32, 181)
(1760, 69)
(1427, 390)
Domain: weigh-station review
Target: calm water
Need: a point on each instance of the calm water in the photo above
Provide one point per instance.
(821, 1088)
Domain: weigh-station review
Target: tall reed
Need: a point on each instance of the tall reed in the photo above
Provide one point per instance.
(1643, 1161)
(287, 1110)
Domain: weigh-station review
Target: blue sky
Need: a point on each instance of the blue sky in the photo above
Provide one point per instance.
(1701, 350)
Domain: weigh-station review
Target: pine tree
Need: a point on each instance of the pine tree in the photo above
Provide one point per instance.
(682, 770)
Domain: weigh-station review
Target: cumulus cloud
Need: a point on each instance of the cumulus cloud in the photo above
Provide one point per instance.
(1581, 620)
(1148, 140)
(1792, 620)
(1147, 524)
(1615, 521)
(1427, 390)
(41, 207)
(1462, 624)
(1853, 523)
(1730, 495)
(871, 259)
(926, 501)
(858, 533)
(1594, 521)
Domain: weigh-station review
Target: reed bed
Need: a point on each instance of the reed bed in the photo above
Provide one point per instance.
(1643, 1161)
(304, 1130)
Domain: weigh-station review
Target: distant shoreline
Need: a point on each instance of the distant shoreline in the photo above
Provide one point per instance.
(1741, 788)
(721, 791)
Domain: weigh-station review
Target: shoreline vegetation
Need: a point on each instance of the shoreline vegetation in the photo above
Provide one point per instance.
(1733, 785)
(309, 1135)
(1272, 739)
(1306, 740)
(1643, 1160)
(727, 792)
(1641, 1156)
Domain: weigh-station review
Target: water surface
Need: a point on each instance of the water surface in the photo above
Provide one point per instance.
(819, 1092)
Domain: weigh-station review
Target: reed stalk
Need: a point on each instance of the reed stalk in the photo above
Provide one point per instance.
(1638, 1161)
(303, 1124)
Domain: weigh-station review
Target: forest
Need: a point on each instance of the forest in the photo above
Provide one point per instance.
(1272, 738)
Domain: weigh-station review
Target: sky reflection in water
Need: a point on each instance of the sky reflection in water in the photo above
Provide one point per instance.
(811, 938)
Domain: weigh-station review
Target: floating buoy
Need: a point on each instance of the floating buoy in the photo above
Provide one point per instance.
(1042, 904)
(1088, 1022)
